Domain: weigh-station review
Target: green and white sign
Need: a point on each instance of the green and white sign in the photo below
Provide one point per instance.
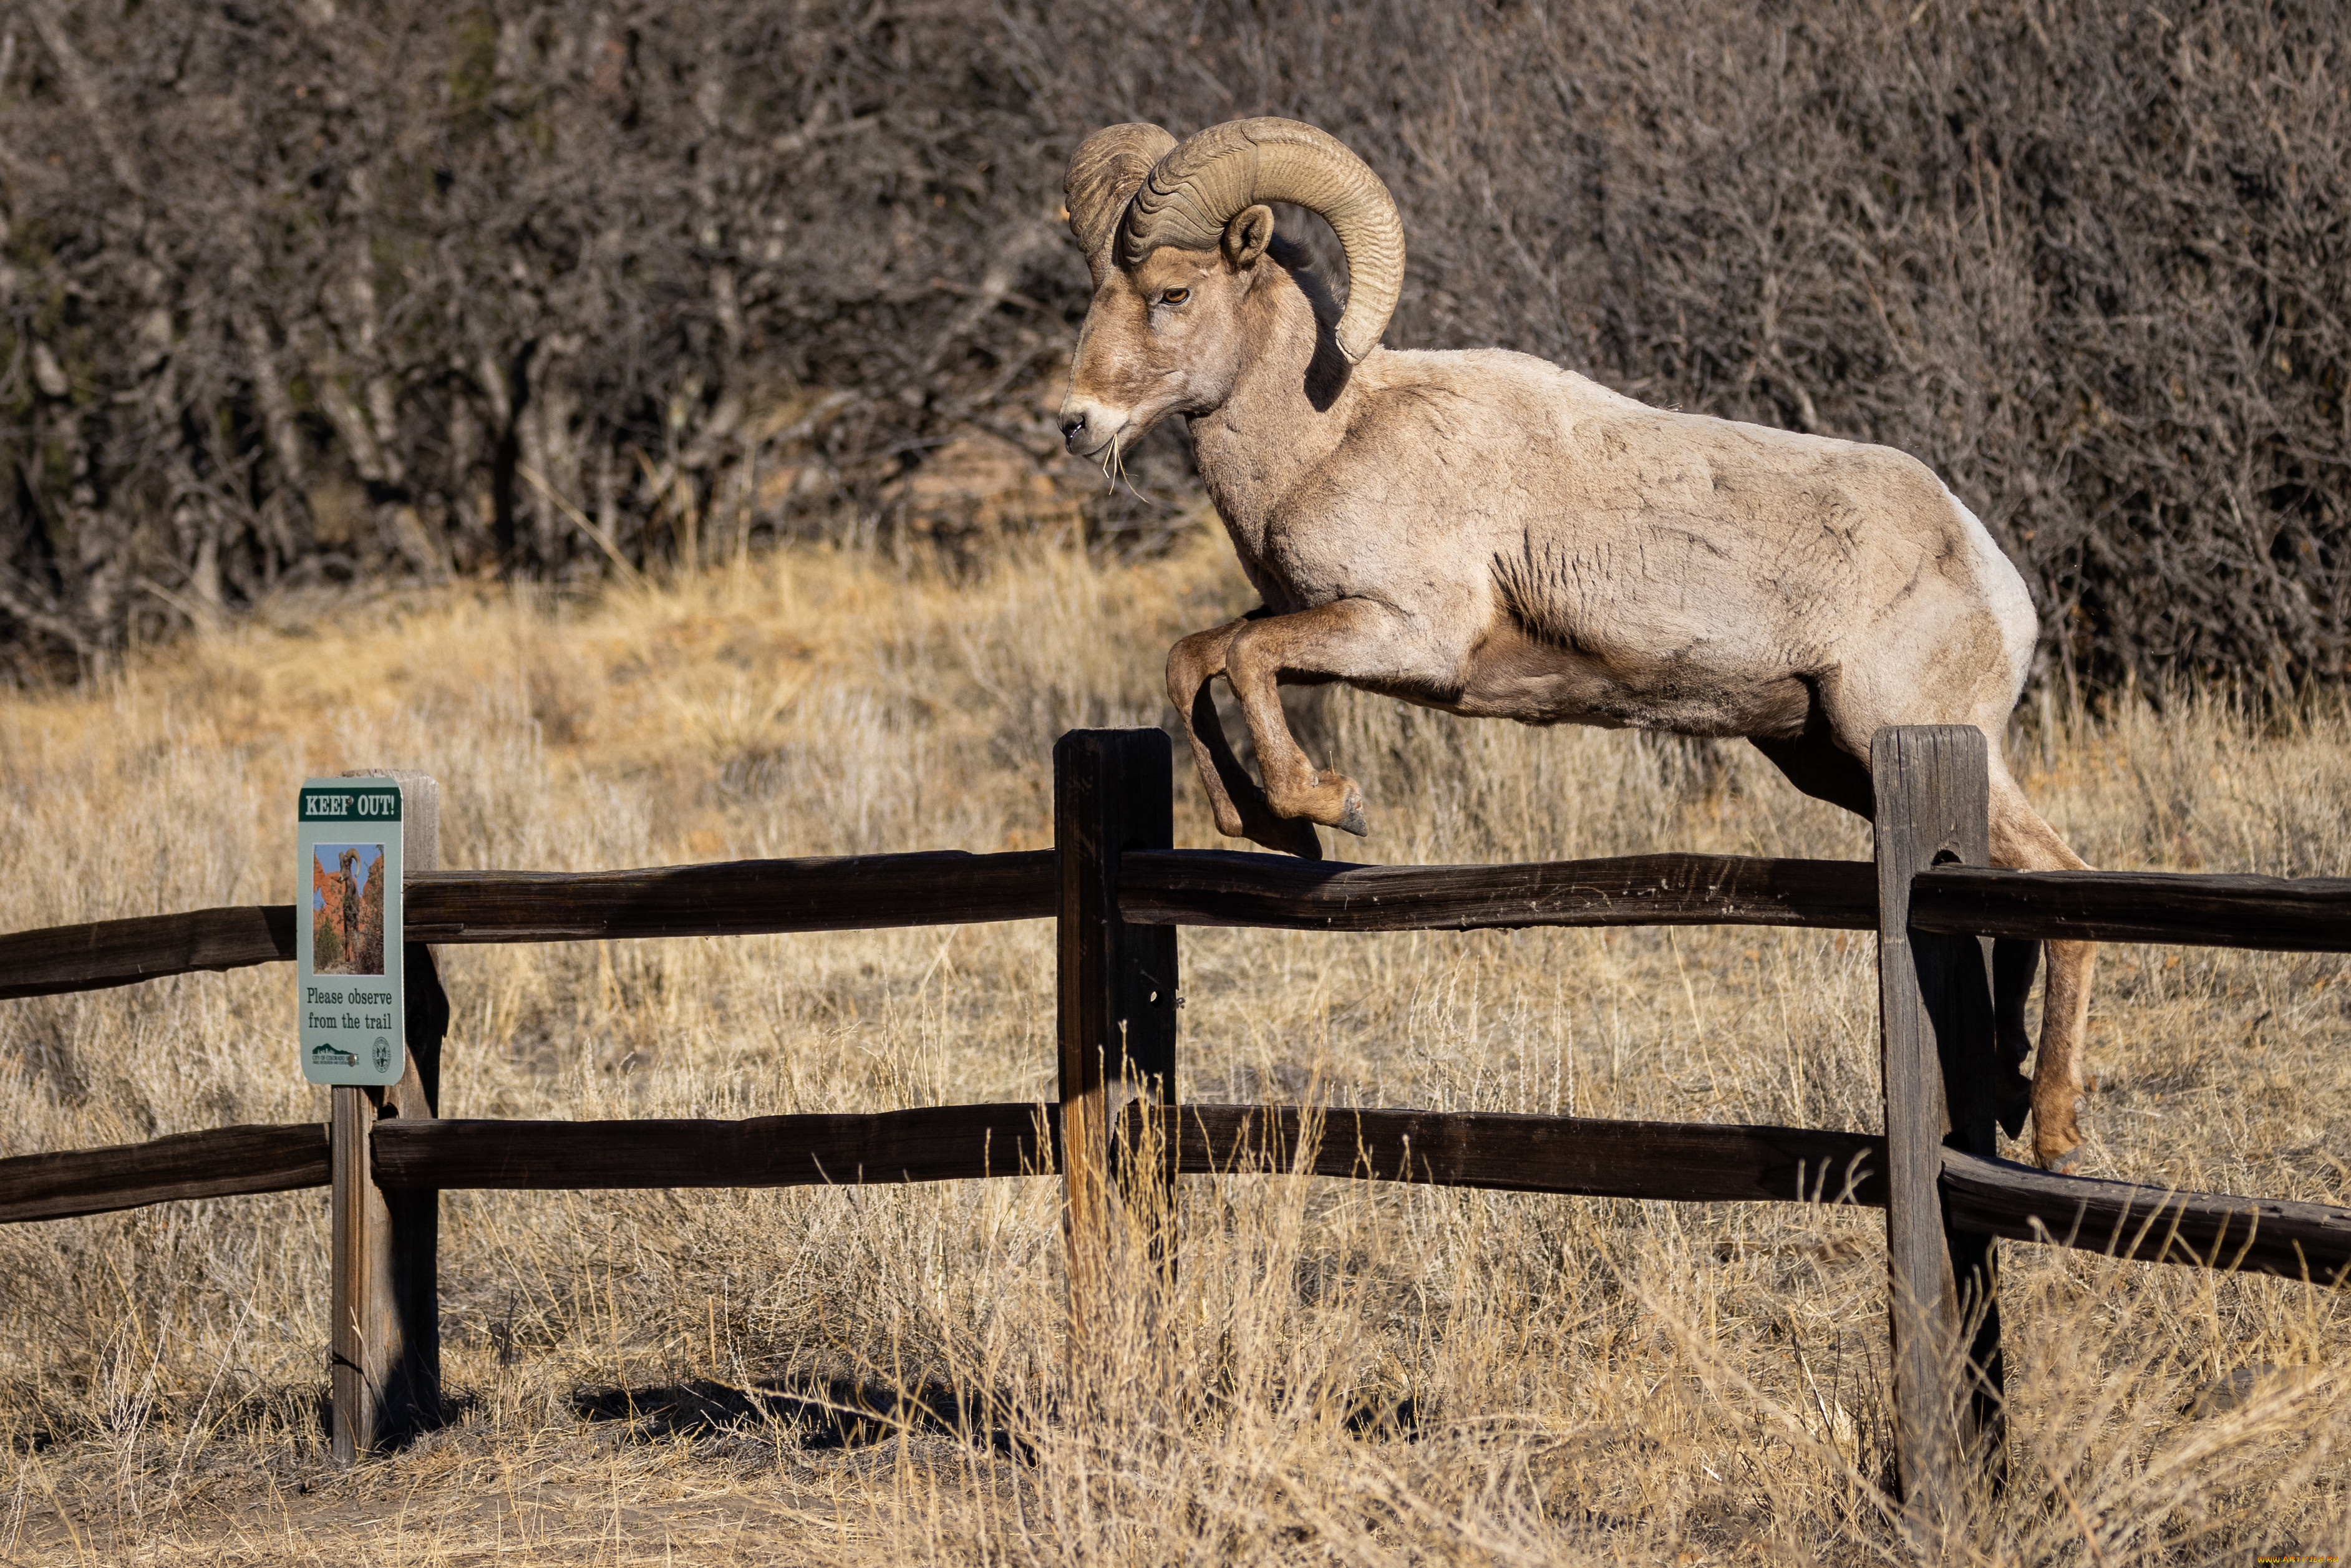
(348, 932)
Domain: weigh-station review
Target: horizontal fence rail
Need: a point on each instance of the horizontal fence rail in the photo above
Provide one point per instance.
(1696, 1161)
(2255, 1235)
(221, 1163)
(736, 898)
(1116, 893)
(2272, 913)
(1684, 1162)
(935, 1143)
(1210, 887)
(1681, 1161)
(107, 953)
(1214, 887)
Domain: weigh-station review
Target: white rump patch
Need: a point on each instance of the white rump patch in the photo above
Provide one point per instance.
(2003, 588)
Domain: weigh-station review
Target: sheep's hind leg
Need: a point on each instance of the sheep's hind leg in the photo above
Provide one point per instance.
(2021, 840)
(1816, 765)
(1349, 638)
(1240, 806)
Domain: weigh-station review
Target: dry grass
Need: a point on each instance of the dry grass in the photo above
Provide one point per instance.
(284, 299)
(1356, 1375)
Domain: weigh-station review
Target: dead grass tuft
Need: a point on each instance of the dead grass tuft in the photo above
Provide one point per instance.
(1353, 1374)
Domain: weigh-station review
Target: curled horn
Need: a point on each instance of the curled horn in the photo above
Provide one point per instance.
(1194, 191)
(1104, 173)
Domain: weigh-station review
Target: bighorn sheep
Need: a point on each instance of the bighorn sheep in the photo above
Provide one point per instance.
(337, 893)
(1489, 534)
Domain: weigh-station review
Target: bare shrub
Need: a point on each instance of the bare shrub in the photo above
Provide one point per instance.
(291, 293)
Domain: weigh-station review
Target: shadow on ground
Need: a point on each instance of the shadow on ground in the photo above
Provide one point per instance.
(837, 1413)
(840, 1412)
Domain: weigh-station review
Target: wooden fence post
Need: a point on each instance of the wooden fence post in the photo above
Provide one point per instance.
(1938, 1063)
(1112, 792)
(385, 1307)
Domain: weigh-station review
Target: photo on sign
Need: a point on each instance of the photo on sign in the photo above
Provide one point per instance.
(347, 909)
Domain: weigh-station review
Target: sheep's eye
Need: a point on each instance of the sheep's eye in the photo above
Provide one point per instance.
(1176, 296)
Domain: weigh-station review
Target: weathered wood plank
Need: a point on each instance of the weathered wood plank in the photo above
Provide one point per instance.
(1116, 987)
(413, 1402)
(1213, 887)
(1206, 887)
(1682, 1161)
(124, 952)
(355, 1274)
(221, 1163)
(1690, 1163)
(1502, 1152)
(738, 898)
(384, 1307)
(1693, 1163)
(1936, 1052)
(933, 1143)
(2276, 914)
(2255, 1235)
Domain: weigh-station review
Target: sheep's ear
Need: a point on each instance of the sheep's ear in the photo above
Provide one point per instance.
(1247, 237)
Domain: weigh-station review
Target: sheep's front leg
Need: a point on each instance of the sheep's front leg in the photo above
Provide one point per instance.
(1240, 808)
(1349, 638)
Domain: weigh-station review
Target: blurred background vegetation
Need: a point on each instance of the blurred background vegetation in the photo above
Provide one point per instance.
(300, 293)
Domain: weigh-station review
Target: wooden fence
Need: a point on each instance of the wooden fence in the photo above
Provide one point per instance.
(1118, 893)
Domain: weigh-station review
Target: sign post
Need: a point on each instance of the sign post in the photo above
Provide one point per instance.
(349, 959)
(370, 1014)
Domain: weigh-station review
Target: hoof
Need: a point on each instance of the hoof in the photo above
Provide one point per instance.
(1351, 816)
(1347, 816)
(2065, 1164)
